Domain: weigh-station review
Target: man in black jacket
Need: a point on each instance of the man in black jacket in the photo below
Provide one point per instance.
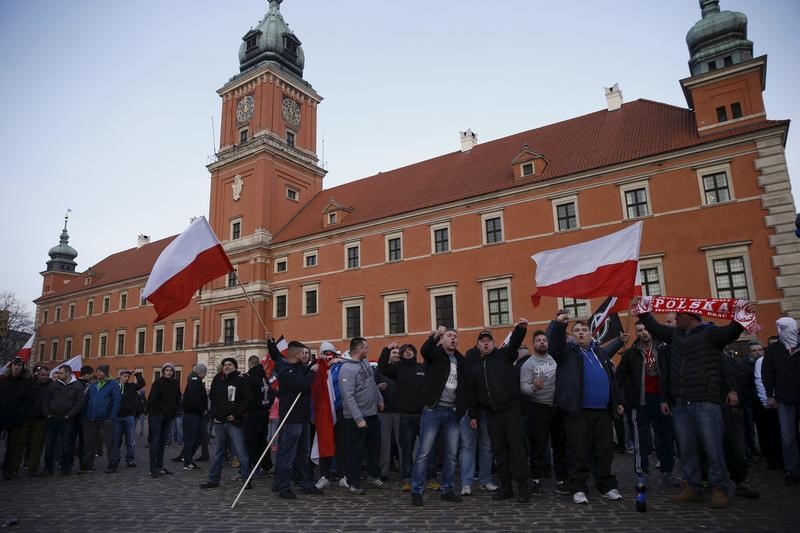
(195, 407)
(63, 401)
(445, 394)
(495, 382)
(696, 384)
(125, 423)
(230, 399)
(257, 416)
(16, 399)
(162, 407)
(585, 390)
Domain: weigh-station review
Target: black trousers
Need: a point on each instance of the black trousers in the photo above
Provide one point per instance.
(255, 433)
(360, 441)
(340, 441)
(546, 425)
(193, 428)
(769, 434)
(589, 435)
(508, 445)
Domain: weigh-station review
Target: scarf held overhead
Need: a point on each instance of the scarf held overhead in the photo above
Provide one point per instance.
(729, 308)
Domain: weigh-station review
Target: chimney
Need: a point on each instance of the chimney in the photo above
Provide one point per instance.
(468, 140)
(142, 240)
(613, 97)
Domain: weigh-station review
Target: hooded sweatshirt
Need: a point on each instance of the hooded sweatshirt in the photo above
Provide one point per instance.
(780, 371)
(16, 398)
(360, 395)
(165, 398)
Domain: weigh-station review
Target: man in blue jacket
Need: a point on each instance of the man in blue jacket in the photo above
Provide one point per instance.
(103, 399)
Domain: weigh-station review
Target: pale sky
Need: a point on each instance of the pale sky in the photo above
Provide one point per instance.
(107, 105)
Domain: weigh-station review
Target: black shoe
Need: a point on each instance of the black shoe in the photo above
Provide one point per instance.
(503, 494)
(111, 469)
(536, 488)
(561, 488)
(745, 490)
(178, 459)
(209, 485)
(249, 486)
(287, 495)
(165, 472)
(310, 490)
(416, 500)
(451, 496)
(131, 465)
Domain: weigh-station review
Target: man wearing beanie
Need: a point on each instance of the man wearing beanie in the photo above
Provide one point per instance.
(162, 407)
(103, 399)
(195, 406)
(230, 399)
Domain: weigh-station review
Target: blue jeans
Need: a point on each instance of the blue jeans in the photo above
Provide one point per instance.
(293, 454)
(125, 425)
(432, 421)
(643, 417)
(788, 414)
(470, 439)
(701, 421)
(61, 431)
(233, 436)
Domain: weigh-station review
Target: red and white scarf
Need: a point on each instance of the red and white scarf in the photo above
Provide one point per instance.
(729, 308)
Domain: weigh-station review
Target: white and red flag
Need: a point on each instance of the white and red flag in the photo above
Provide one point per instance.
(24, 353)
(322, 402)
(193, 259)
(607, 266)
(282, 345)
(74, 363)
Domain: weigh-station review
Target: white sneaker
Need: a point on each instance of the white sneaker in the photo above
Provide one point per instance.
(343, 483)
(466, 490)
(580, 498)
(491, 487)
(322, 483)
(612, 495)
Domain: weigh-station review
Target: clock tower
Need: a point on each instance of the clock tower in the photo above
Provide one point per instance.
(265, 171)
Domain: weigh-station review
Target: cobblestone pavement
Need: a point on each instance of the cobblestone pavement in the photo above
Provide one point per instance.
(130, 501)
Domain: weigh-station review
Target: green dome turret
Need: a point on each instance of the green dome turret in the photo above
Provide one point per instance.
(62, 256)
(717, 40)
(272, 41)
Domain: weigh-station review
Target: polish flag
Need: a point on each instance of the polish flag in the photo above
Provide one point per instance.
(193, 259)
(74, 363)
(24, 353)
(282, 345)
(322, 401)
(608, 266)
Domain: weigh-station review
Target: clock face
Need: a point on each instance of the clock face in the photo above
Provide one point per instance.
(244, 109)
(291, 112)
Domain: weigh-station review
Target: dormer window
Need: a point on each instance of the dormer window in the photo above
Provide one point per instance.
(527, 169)
(728, 61)
(251, 42)
(291, 194)
(290, 44)
(736, 110)
(722, 114)
(331, 218)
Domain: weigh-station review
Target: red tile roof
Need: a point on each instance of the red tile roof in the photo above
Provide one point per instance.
(639, 129)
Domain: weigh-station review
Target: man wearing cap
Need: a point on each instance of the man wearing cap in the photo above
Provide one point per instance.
(696, 384)
(162, 406)
(16, 398)
(103, 399)
(496, 388)
(63, 401)
(195, 407)
(230, 399)
(124, 424)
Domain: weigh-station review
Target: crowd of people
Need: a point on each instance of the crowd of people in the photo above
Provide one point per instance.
(502, 417)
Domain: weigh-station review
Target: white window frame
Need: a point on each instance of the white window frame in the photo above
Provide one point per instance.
(657, 264)
(282, 259)
(434, 228)
(227, 316)
(45, 315)
(228, 277)
(522, 169)
(116, 341)
(726, 252)
(175, 327)
(296, 192)
(311, 253)
(106, 303)
(195, 334)
(53, 349)
(71, 311)
(715, 169)
(140, 349)
(442, 291)
(352, 302)
(42, 351)
(496, 283)
(68, 341)
(237, 220)
(306, 289)
(156, 329)
(332, 218)
(58, 314)
(642, 184)
(562, 305)
(390, 298)
(90, 303)
(348, 246)
(388, 237)
(275, 294)
(100, 337)
(573, 199)
(83, 346)
(119, 303)
(490, 215)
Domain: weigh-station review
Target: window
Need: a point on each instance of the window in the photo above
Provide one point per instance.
(492, 228)
(395, 314)
(497, 301)
(106, 303)
(310, 259)
(177, 338)
(236, 229)
(712, 65)
(352, 253)
(351, 318)
(158, 339)
(310, 299)
(123, 301)
(440, 238)
(71, 311)
(331, 218)
(178, 374)
(290, 139)
(90, 307)
(252, 42)
(292, 194)
(280, 264)
(728, 61)
(67, 348)
(141, 337)
(120, 343)
(715, 188)
(527, 169)
(722, 114)
(44, 316)
(156, 373)
(730, 278)
(58, 313)
(229, 329)
(196, 340)
(636, 203)
(443, 308)
(576, 308)
(87, 346)
(650, 277)
(565, 213)
(394, 247)
(736, 110)
(232, 276)
(53, 350)
(243, 135)
(280, 304)
(103, 351)
(42, 352)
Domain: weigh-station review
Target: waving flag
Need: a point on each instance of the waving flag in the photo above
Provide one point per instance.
(25, 352)
(74, 363)
(324, 413)
(607, 266)
(193, 259)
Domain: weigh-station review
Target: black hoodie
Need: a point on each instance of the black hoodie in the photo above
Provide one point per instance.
(165, 398)
(16, 398)
(495, 379)
(221, 406)
(409, 378)
(261, 396)
(195, 397)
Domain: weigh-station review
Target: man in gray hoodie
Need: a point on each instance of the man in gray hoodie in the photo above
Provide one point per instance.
(361, 402)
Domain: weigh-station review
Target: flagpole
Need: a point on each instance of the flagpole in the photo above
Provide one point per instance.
(264, 453)
(251, 303)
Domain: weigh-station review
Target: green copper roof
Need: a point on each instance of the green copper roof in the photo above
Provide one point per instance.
(717, 40)
(273, 41)
(62, 256)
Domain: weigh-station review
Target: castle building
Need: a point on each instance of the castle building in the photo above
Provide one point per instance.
(448, 240)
